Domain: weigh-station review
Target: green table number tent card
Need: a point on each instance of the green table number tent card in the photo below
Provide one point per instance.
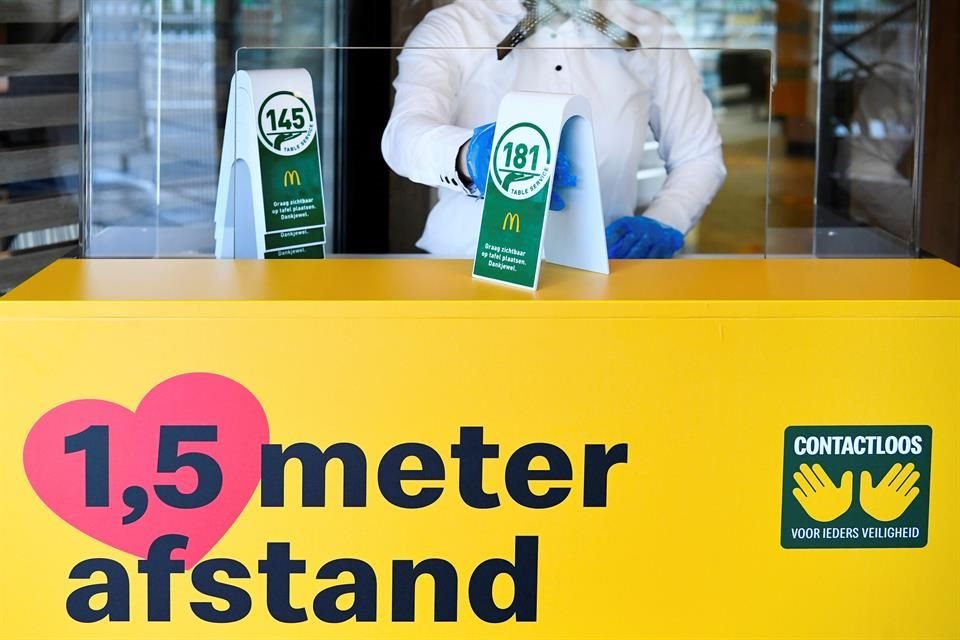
(517, 230)
(270, 194)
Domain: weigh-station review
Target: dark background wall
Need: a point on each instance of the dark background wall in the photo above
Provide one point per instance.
(940, 190)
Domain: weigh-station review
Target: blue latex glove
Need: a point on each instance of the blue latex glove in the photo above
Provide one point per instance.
(642, 237)
(478, 164)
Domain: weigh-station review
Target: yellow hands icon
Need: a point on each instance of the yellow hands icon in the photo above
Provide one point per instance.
(889, 499)
(820, 498)
(824, 501)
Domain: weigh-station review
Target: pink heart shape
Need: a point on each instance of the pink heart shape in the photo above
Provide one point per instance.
(193, 399)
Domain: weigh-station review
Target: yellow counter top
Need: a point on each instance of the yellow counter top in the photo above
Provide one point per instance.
(767, 287)
(676, 411)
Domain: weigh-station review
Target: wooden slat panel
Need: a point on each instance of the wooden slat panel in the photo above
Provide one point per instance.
(34, 215)
(36, 164)
(39, 10)
(29, 112)
(16, 269)
(38, 59)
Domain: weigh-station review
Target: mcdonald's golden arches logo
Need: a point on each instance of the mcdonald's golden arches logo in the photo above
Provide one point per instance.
(290, 178)
(510, 221)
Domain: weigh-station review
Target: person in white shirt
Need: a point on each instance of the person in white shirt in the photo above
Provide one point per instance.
(628, 61)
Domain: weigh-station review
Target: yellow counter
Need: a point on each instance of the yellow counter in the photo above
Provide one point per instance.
(683, 449)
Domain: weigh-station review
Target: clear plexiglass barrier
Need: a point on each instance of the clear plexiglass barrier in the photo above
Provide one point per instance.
(843, 124)
(671, 141)
(682, 135)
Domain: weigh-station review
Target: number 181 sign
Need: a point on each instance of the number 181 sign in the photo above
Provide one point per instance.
(521, 167)
(514, 232)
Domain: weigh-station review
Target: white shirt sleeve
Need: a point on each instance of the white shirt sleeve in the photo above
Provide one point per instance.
(420, 143)
(682, 120)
